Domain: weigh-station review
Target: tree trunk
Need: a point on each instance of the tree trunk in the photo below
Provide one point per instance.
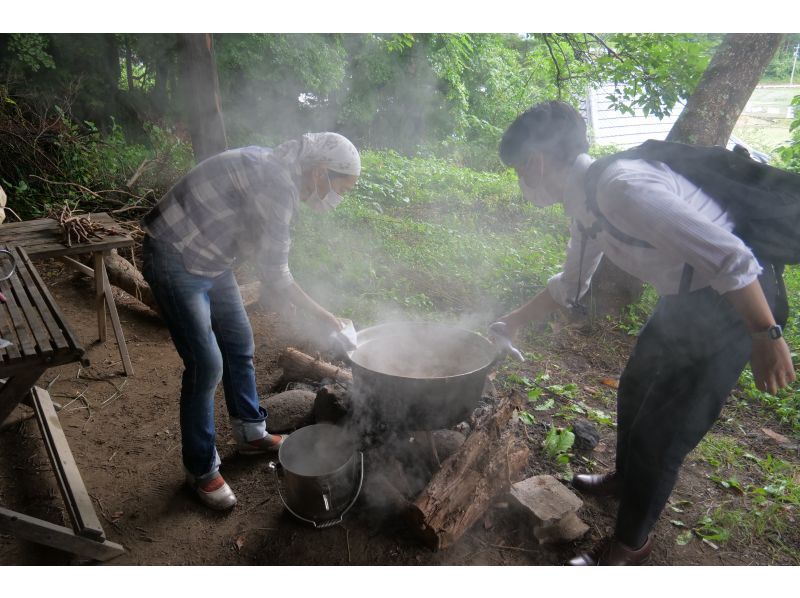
(723, 90)
(128, 63)
(201, 94)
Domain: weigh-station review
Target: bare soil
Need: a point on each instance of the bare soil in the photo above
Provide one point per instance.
(125, 438)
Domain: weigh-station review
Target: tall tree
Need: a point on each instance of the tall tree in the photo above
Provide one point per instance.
(201, 94)
(727, 83)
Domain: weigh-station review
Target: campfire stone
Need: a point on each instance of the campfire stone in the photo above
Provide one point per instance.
(552, 507)
(331, 404)
(289, 410)
(586, 435)
(570, 528)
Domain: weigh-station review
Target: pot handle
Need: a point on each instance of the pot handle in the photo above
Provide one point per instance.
(499, 336)
(276, 466)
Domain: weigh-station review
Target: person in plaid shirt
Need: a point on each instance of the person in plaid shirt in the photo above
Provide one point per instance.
(232, 207)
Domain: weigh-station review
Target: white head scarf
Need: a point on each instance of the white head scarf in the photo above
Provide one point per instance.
(331, 150)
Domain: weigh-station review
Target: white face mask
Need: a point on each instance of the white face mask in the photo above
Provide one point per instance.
(327, 203)
(537, 195)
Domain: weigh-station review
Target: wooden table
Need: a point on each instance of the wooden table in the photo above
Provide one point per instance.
(44, 238)
(41, 339)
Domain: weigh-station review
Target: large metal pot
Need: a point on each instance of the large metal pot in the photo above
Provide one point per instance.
(419, 375)
(319, 474)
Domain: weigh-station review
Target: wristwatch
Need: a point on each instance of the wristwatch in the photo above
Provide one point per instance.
(773, 332)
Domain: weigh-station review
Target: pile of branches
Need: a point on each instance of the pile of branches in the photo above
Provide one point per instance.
(79, 228)
(38, 149)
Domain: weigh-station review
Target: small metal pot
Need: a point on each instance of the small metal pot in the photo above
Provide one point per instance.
(321, 474)
(419, 375)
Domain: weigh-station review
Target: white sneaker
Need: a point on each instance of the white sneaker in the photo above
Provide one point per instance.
(214, 493)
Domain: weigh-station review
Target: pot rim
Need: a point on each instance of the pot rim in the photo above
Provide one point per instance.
(326, 474)
(471, 333)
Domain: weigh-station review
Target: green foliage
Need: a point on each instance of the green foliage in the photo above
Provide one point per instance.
(652, 71)
(789, 155)
(427, 238)
(30, 50)
(767, 506)
(556, 445)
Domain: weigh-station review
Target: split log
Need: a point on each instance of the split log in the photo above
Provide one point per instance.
(298, 366)
(124, 275)
(458, 495)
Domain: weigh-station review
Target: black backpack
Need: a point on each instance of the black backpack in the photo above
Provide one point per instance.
(763, 201)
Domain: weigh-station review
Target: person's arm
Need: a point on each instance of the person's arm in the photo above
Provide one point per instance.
(771, 360)
(563, 288)
(296, 296)
(535, 310)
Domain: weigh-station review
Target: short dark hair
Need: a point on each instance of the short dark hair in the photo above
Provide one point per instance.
(553, 127)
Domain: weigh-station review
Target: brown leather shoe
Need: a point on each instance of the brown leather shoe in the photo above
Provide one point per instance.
(598, 484)
(615, 553)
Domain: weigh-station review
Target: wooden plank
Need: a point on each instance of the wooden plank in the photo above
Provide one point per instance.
(19, 322)
(32, 314)
(44, 237)
(48, 298)
(7, 331)
(54, 328)
(17, 387)
(100, 282)
(115, 323)
(79, 504)
(107, 243)
(83, 268)
(56, 536)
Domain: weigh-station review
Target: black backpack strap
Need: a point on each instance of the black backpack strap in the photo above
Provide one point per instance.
(590, 185)
(686, 279)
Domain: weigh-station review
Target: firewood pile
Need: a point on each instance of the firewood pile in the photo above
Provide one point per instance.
(79, 228)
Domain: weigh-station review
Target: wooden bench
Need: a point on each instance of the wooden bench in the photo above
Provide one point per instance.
(41, 339)
(43, 238)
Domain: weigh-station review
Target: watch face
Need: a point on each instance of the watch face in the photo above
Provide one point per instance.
(775, 332)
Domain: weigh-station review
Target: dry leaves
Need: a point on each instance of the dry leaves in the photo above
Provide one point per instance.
(612, 382)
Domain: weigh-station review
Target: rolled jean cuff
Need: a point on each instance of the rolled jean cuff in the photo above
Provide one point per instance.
(199, 479)
(245, 431)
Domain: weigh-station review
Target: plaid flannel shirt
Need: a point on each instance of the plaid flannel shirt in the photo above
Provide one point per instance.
(234, 206)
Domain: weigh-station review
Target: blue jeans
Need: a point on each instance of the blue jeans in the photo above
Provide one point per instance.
(209, 326)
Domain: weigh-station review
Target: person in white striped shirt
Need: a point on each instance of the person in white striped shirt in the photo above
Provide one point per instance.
(705, 328)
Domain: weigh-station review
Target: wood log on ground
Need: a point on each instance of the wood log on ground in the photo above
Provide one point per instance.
(298, 366)
(124, 275)
(458, 495)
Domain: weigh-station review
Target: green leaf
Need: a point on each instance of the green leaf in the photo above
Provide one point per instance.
(548, 404)
(534, 393)
(684, 537)
(677, 523)
(526, 418)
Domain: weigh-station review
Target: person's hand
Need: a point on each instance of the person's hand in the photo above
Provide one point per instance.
(344, 335)
(771, 362)
(499, 334)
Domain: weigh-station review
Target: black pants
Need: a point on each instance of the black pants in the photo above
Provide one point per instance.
(686, 361)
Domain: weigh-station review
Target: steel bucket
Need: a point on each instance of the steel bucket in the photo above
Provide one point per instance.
(319, 474)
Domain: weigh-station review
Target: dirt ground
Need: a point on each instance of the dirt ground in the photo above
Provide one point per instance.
(124, 435)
